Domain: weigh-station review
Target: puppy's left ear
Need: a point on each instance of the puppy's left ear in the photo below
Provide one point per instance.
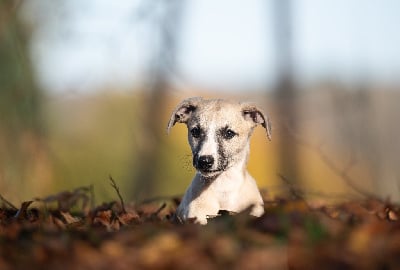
(183, 111)
(252, 113)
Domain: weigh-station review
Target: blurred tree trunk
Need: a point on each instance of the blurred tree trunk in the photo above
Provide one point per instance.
(285, 89)
(23, 160)
(152, 128)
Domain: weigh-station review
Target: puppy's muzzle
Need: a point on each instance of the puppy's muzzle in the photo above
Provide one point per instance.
(205, 163)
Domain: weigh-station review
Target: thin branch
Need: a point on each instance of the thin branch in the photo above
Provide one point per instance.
(92, 196)
(22, 212)
(159, 210)
(294, 191)
(343, 173)
(298, 192)
(116, 188)
(7, 203)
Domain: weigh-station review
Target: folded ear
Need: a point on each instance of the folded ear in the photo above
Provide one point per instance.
(254, 114)
(183, 111)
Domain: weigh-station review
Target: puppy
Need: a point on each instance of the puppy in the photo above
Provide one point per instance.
(219, 136)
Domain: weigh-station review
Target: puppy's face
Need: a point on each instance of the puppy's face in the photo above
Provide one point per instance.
(218, 135)
(218, 132)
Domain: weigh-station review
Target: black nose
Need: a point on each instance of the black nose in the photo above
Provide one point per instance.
(205, 162)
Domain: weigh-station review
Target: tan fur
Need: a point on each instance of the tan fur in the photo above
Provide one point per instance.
(223, 184)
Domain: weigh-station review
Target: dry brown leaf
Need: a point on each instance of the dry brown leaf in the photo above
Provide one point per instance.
(69, 219)
(392, 215)
(128, 217)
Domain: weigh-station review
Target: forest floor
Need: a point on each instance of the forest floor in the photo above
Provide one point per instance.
(64, 231)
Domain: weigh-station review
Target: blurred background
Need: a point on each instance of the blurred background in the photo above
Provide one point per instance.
(87, 88)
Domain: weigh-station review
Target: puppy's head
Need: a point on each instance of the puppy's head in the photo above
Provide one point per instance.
(218, 131)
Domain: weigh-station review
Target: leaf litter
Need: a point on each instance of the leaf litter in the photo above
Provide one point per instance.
(66, 231)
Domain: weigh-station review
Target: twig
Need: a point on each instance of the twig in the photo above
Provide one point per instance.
(294, 191)
(116, 188)
(92, 198)
(67, 199)
(343, 173)
(22, 212)
(7, 203)
(159, 210)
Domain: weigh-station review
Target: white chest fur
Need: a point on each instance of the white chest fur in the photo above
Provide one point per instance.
(227, 189)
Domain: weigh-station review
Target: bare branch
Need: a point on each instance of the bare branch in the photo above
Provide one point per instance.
(159, 210)
(22, 212)
(294, 191)
(298, 192)
(116, 188)
(7, 203)
(343, 173)
(67, 199)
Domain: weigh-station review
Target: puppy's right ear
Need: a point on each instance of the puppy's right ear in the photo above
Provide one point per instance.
(183, 111)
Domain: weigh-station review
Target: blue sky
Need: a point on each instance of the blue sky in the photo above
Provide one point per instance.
(96, 43)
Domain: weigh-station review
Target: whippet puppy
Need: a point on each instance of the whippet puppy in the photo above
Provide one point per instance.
(219, 134)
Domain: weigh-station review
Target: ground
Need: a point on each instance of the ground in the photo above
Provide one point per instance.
(64, 231)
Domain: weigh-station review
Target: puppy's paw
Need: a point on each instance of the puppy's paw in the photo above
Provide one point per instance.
(257, 210)
(201, 220)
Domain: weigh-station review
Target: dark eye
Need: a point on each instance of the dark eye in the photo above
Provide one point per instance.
(228, 134)
(195, 132)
